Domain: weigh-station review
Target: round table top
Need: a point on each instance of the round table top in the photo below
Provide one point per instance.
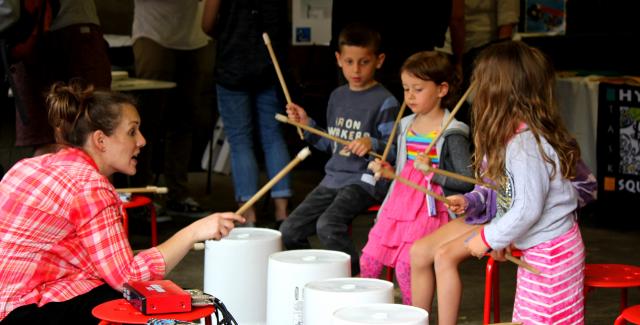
(612, 275)
(632, 314)
(121, 311)
(137, 201)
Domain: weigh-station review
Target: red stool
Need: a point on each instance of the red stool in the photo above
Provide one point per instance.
(120, 311)
(612, 276)
(138, 201)
(492, 289)
(631, 314)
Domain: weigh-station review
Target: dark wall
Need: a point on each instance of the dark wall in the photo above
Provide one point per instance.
(116, 16)
(599, 37)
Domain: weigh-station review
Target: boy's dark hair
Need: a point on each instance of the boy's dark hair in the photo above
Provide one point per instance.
(357, 34)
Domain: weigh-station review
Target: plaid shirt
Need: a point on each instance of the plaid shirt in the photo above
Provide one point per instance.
(61, 233)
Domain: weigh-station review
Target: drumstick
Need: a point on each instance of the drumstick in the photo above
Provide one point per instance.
(386, 173)
(447, 173)
(148, 189)
(521, 263)
(451, 115)
(285, 90)
(385, 153)
(304, 153)
(425, 168)
(285, 119)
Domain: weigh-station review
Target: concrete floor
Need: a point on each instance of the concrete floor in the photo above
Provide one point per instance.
(603, 246)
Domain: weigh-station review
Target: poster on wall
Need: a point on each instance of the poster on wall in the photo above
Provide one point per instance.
(618, 143)
(311, 22)
(545, 17)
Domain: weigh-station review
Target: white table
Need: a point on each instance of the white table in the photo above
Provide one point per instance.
(130, 84)
(578, 104)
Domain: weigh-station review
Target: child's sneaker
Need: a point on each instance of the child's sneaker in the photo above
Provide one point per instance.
(187, 207)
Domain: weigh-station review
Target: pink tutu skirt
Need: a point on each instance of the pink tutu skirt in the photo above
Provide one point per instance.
(404, 218)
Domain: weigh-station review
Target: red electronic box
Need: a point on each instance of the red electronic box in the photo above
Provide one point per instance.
(157, 297)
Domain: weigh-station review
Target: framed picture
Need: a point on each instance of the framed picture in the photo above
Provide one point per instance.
(545, 16)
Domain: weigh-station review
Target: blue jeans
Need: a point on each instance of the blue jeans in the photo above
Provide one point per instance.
(238, 110)
(328, 213)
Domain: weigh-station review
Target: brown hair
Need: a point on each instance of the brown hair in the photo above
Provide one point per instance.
(435, 66)
(76, 110)
(515, 83)
(357, 34)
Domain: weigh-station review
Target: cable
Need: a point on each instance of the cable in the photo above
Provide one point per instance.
(227, 318)
(199, 298)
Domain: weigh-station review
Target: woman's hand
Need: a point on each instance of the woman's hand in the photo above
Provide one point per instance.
(216, 226)
(297, 114)
(457, 204)
(360, 147)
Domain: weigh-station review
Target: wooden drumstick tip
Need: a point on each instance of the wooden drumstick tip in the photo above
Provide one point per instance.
(158, 190)
(266, 38)
(282, 118)
(421, 166)
(304, 153)
(198, 246)
(374, 167)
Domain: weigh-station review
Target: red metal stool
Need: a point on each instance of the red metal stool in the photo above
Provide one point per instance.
(612, 276)
(120, 311)
(631, 314)
(138, 201)
(492, 289)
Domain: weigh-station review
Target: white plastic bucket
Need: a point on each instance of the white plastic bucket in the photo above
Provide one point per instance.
(323, 297)
(388, 314)
(290, 271)
(235, 271)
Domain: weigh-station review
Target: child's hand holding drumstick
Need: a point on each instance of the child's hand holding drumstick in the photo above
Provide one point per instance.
(360, 147)
(297, 114)
(376, 167)
(457, 204)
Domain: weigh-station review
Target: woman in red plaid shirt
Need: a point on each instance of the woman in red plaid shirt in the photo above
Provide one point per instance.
(63, 249)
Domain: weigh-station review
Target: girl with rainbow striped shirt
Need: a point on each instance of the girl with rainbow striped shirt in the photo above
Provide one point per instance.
(406, 214)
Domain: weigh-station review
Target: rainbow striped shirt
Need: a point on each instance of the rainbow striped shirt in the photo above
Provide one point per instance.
(417, 143)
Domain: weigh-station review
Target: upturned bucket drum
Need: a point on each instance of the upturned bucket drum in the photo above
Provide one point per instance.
(290, 271)
(387, 314)
(235, 271)
(323, 297)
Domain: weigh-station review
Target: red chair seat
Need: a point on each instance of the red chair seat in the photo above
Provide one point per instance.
(631, 314)
(620, 276)
(138, 201)
(120, 311)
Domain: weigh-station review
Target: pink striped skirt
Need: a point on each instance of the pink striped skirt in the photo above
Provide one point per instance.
(555, 296)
